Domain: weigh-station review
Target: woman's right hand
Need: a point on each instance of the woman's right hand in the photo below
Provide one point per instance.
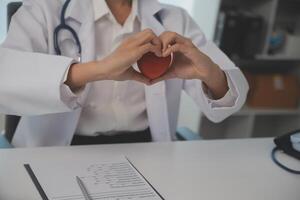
(118, 65)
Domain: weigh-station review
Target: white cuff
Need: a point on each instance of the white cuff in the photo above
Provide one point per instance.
(71, 99)
(228, 100)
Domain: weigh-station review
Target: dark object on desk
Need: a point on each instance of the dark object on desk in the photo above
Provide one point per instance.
(35, 181)
(11, 122)
(83, 189)
(239, 34)
(285, 144)
(289, 144)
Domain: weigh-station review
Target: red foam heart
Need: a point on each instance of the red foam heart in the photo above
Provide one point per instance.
(153, 66)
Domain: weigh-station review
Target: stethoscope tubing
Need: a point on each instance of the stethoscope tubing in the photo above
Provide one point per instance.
(282, 166)
(63, 26)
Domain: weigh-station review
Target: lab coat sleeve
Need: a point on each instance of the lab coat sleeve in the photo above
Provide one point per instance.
(234, 99)
(30, 79)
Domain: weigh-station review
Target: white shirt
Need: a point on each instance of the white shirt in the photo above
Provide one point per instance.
(113, 106)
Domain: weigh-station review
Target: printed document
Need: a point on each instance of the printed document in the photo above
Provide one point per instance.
(115, 179)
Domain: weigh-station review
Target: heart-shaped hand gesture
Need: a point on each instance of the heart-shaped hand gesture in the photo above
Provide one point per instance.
(154, 55)
(190, 63)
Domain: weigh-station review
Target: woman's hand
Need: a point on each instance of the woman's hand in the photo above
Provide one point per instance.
(132, 49)
(118, 65)
(190, 63)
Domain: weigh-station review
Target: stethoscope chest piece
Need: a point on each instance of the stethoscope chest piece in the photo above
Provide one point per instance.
(69, 48)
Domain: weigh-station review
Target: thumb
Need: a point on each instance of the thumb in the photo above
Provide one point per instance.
(136, 76)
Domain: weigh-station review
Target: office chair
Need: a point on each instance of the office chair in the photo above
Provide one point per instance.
(11, 10)
(4, 144)
(11, 122)
(186, 134)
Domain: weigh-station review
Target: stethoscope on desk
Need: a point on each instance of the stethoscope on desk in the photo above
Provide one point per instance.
(290, 145)
(63, 26)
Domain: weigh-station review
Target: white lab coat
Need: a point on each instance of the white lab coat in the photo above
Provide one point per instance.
(31, 74)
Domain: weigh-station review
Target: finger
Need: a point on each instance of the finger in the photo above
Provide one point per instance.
(168, 75)
(149, 48)
(158, 44)
(146, 36)
(170, 38)
(136, 76)
(175, 48)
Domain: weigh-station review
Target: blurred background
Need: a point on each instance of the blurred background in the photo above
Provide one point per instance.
(263, 38)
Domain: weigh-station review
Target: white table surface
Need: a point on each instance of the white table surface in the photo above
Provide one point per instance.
(208, 170)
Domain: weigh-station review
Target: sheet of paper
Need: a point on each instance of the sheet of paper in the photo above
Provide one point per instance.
(114, 179)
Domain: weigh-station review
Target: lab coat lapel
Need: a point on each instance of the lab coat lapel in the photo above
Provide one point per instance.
(77, 10)
(155, 95)
(83, 13)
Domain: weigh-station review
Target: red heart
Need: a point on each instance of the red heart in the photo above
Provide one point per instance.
(153, 66)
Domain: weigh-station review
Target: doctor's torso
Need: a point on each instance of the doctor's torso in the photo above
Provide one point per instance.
(52, 114)
(113, 106)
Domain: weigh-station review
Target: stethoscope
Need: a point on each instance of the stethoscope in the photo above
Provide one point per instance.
(290, 145)
(63, 26)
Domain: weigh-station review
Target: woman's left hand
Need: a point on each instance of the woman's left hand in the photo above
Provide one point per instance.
(190, 63)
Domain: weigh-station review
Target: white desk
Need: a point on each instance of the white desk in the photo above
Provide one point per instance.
(208, 170)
